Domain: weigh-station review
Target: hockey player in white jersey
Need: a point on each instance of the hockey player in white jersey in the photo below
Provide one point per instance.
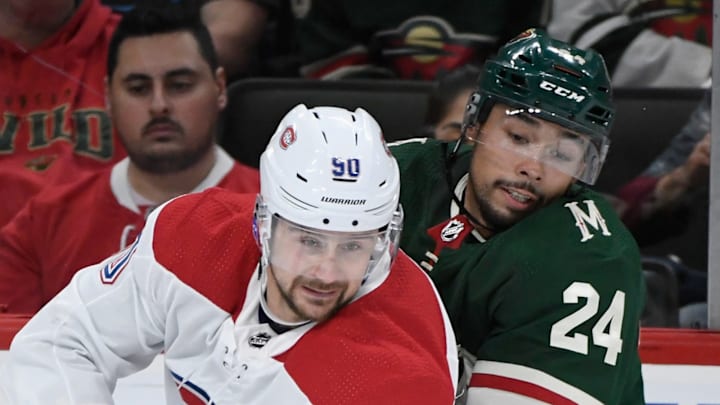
(295, 296)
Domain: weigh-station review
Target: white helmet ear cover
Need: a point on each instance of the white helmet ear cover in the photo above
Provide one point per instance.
(328, 168)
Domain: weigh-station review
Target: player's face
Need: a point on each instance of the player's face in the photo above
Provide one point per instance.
(313, 274)
(519, 164)
(165, 100)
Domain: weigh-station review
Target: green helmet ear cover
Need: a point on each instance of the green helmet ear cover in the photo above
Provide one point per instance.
(558, 82)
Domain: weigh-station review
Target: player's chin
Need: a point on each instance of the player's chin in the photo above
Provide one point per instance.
(504, 218)
(319, 314)
(506, 213)
(515, 215)
(321, 311)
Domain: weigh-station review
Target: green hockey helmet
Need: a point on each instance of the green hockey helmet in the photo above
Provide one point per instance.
(554, 81)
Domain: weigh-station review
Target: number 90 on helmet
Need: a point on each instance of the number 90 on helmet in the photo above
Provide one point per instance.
(328, 169)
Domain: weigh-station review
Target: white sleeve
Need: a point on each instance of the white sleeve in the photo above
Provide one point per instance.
(107, 323)
(569, 15)
(649, 60)
(654, 60)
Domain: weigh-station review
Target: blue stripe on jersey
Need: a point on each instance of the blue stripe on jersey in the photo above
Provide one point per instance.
(197, 391)
(112, 270)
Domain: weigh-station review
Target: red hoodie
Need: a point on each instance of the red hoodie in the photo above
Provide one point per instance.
(52, 103)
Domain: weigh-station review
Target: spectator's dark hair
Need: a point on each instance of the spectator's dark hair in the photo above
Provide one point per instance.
(152, 18)
(447, 88)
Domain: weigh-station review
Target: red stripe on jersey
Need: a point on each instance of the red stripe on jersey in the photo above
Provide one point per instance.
(189, 397)
(519, 387)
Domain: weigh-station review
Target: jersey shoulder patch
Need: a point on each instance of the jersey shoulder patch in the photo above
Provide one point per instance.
(114, 266)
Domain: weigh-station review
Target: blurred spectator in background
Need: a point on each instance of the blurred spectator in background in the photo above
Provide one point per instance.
(236, 27)
(646, 43)
(656, 203)
(446, 105)
(165, 92)
(671, 195)
(52, 107)
(415, 39)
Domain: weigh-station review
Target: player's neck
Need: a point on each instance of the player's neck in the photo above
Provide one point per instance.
(162, 187)
(27, 27)
(476, 218)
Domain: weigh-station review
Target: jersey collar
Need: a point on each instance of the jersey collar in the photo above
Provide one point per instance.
(459, 192)
(123, 191)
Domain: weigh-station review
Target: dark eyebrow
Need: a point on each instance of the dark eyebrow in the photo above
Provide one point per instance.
(135, 76)
(570, 135)
(524, 117)
(170, 74)
(180, 72)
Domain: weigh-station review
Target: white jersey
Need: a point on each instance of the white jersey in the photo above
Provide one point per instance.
(189, 286)
(650, 59)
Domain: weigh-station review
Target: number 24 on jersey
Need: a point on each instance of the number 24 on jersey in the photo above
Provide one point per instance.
(605, 333)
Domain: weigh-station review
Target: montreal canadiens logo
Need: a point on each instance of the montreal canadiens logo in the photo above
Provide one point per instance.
(452, 230)
(287, 138)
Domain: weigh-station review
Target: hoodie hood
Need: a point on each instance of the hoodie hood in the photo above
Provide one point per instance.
(90, 22)
(53, 96)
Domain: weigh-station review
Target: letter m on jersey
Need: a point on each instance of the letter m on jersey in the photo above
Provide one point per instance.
(592, 218)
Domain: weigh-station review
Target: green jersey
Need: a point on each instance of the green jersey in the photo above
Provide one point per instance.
(550, 307)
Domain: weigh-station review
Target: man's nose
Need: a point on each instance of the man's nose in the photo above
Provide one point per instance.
(531, 167)
(326, 266)
(159, 104)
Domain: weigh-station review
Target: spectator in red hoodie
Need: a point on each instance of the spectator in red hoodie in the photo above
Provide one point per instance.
(165, 109)
(52, 106)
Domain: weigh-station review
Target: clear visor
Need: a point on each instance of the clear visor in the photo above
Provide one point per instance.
(523, 133)
(333, 257)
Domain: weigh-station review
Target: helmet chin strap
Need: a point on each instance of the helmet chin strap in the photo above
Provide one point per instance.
(449, 161)
(262, 227)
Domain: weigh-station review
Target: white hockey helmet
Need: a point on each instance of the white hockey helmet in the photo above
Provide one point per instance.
(329, 169)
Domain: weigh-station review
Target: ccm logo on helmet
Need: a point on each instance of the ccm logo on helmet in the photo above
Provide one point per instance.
(561, 91)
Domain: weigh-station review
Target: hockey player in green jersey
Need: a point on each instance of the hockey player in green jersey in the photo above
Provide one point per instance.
(540, 278)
